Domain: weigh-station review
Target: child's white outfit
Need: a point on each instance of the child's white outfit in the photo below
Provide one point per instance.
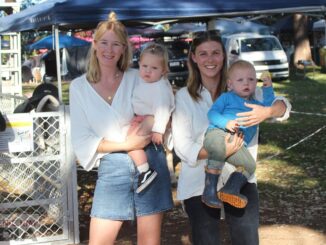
(155, 99)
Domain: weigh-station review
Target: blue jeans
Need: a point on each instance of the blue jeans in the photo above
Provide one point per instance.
(242, 223)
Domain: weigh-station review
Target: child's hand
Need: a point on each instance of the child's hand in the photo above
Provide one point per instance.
(157, 138)
(232, 126)
(266, 78)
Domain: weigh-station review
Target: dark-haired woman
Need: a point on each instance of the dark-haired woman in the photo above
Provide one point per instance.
(206, 81)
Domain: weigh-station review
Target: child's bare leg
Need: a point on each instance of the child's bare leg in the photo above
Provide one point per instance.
(139, 156)
(147, 175)
(146, 126)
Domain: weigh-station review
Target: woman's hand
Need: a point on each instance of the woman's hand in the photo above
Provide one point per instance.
(257, 115)
(234, 144)
(135, 141)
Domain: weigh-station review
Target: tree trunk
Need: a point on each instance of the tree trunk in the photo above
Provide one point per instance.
(301, 41)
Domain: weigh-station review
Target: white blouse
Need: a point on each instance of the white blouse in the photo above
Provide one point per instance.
(189, 124)
(155, 99)
(93, 119)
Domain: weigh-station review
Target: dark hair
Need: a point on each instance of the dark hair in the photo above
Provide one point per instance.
(2, 123)
(194, 81)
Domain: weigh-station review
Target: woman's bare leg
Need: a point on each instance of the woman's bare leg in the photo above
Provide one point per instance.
(103, 231)
(149, 229)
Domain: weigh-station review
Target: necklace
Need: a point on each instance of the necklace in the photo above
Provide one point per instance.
(114, 89)
(108, 90)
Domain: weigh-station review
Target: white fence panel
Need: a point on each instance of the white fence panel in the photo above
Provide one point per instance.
(38, 194)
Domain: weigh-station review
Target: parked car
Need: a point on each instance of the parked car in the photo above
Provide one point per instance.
(178, 55)
(264, 51)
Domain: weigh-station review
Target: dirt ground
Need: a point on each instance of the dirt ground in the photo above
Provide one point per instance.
(276, 228)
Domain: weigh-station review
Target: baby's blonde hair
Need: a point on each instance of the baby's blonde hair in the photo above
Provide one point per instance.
(160, 51)
(239, 64)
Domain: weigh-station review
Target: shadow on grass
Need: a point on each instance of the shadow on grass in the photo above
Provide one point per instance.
(291, 206)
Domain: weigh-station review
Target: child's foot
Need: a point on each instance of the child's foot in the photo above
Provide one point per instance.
(145, 178)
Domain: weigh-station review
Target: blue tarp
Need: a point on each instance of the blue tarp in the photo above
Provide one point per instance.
(83, 14)
(65, 41)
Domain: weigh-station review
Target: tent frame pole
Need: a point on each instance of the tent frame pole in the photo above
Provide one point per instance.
(57, 53)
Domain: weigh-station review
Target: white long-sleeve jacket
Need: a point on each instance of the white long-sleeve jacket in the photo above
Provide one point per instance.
(93, 119)
(189, 124)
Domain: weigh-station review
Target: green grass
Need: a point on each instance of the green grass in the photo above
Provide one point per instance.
(293, 182)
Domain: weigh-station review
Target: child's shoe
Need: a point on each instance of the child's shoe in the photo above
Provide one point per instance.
(145, 178)
(230, 192)
(209, 196)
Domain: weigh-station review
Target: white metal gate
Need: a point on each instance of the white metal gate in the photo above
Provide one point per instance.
(38, 196)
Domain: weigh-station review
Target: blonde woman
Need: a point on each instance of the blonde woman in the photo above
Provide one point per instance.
(101, 112)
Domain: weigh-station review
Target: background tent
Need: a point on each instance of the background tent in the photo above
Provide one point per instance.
(178, 29)
(319, 25)
(320, 28)
(71, 14)
(237, 25)
(65, 41)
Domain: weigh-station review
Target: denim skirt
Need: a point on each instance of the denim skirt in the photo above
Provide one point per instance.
(115, 197)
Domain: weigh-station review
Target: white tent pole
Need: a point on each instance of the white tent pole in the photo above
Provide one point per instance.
(57, 54)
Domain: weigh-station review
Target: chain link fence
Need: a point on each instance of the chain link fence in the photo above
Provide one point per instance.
(36, 185)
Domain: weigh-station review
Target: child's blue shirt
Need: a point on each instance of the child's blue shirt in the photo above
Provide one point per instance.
(229, 104)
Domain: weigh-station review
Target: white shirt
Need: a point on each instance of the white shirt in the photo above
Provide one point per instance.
(93, 119)
(155, 99)
(189, 124)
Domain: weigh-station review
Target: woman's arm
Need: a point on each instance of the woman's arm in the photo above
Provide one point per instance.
(259, 113)
(132, 142)
(185, 143)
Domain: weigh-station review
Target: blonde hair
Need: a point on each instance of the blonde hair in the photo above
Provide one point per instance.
(237, 65)
(111, 24)
(160, 51)
(194, 81)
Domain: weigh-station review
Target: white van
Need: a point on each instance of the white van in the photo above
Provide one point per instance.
(264, 51)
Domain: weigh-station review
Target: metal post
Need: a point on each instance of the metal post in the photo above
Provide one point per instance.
(57, 53)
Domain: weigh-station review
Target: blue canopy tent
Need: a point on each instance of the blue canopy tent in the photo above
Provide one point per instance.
(65, 41)
(76, 14)
(72, 14)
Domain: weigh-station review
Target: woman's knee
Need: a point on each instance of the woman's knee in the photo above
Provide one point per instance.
(149, 229)
(103, 231)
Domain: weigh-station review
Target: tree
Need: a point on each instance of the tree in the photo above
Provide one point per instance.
(301, 41)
